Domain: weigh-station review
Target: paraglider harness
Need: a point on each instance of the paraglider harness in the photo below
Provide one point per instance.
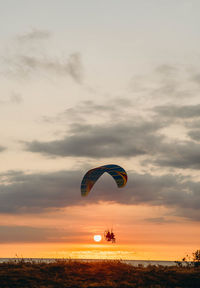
(109, 236)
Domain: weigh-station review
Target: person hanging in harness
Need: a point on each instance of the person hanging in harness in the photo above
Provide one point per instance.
(109, 236)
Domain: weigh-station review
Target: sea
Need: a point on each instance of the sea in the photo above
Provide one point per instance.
(130, 262)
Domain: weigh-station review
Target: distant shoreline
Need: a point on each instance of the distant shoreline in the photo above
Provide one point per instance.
(131, 262)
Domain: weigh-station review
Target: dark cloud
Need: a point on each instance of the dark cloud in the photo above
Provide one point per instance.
(35, 193)
(2, 148)
(27, 234)
(196, 78)
(187, 111)
(184, 155)
(194, 124)
(179, 153)
(133, 137)
(195, 134)
(95, 141)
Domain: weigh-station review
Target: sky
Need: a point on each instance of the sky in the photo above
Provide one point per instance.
(89, 83)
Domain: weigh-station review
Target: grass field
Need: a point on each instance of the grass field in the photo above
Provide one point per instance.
(70, 273)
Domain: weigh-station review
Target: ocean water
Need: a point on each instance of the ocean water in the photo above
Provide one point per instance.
(130, 262)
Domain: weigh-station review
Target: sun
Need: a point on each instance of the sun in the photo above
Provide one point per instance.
(97, 238)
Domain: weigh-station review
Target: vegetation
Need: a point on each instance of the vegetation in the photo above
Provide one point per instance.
(190, 261)
(196, 258)
(70, 273)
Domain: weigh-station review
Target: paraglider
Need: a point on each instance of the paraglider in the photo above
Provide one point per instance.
(109, 236)
(90, 178)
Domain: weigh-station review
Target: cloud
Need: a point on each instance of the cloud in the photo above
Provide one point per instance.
(163, 85)
(34, 35)
(196, 78)
(132, 136)
(184, 112)
(86, 111)
(28, 234)
(13, 98)
(16, 98)
(25, 65)
(36, 193)
(27, 58)
(178, 153)
(123, 139)
(166, 70)
(2, 148)
(126, 138)
(184, 155)
(195, 134)
(158, 220)
(74, 67)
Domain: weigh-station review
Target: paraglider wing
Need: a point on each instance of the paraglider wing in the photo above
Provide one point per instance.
(117, 172)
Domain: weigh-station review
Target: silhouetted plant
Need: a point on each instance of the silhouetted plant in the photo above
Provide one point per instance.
(196, 258)
(189, 261)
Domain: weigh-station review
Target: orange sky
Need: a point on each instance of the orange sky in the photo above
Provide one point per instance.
(137, 238)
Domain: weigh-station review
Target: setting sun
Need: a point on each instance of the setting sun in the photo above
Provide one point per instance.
(97, 238)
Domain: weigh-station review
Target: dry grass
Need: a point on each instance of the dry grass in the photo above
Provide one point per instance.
(69, 273)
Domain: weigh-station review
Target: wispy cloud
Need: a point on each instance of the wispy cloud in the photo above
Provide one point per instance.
(13, 98)
(158, 220)
(25, 60)
(34, 35)
(85, 112)
(166, 84)
(26, 65)
(28, 234)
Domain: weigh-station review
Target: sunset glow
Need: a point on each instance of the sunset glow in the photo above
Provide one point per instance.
(97, 238)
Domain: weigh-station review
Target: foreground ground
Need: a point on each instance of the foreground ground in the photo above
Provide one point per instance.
(100, 274)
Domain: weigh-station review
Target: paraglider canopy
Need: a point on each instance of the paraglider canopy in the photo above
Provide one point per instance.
(117, 172)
